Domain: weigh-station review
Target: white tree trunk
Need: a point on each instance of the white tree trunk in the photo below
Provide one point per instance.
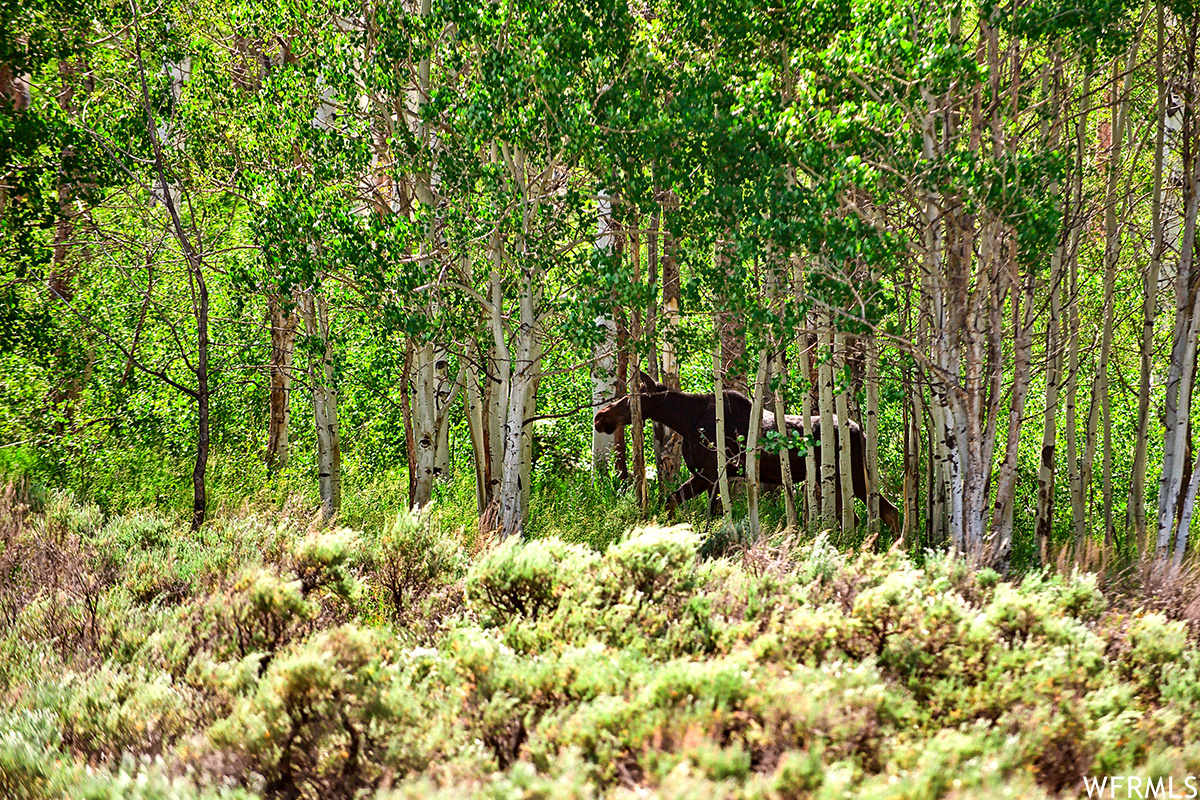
(722, 455)
(1180, 377)
(807, 412)
(431, 396)
(604, 363)
(829, 474)
(753, 435)
(845, 462)
(522, 400)
(473, 401)
(871, 434)
(315, 312)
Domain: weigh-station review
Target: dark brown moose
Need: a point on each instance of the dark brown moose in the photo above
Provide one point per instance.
(694, 417)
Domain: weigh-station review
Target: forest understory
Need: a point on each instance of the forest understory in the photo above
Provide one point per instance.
(271, 655)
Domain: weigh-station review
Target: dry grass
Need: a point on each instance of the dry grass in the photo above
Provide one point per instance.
(1150, 583)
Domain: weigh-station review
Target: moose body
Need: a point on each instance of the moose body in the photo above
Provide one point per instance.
(694, 417)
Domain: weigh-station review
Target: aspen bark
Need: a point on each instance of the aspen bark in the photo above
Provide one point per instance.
(844, 462)
(474, 402)
(522, 371)
(1113, 231)
(730, 328)
(1137, 486)
(914, 419)
(829, 472)
(604, 363)
(753, 448)
(812, 478)
(637, 428)
(871, 433)
(284, 322)
(432, 397)
(1048, 464)
(314, 310)
(778, 369)
(672, 449)
(998, 547)
(1181, 374)
(514, 486)
(722, 450)
(1071, 291)
(499, 388)
(199, 293)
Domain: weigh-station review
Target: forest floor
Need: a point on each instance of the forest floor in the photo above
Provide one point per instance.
(269, 656)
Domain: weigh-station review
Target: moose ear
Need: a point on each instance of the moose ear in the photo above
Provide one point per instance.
(649, 385)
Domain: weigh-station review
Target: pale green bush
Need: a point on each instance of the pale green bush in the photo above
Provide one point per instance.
(32, 762)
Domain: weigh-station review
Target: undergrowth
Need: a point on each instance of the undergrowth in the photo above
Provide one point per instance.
(268, 656)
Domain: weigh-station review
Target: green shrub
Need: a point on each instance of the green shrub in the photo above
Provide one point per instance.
(116, 710)
(150, 779)
(412, 560)
(323, 559)
(525, 579)
(320, 723)
(649, 565)
(1154, 644)
(138, 532)
(32, 762)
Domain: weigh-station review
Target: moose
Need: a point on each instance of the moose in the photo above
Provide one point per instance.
(694, 417)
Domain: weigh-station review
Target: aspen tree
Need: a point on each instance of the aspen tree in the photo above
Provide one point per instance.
(1137, 485)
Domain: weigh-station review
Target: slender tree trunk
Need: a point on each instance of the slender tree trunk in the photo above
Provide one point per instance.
(776, 280)
(672, 449)
(871, 433)
(200, 303)
(284, 322)
(499, 388)
(604, 355)
(730, 327)
(845, 462)
(1053, 90)
(825, 404)
(637, 428)
(203, 393)
(526, 363)
(1181, 375)
(653, 368)
(812, 480)
(1137, 486)
(720, 444)
(431, 397)
(315, 311)
(474, 406)
(1075, 476)
(998, 547)
(514, 486)
(1047, 466)
(753, 448)
(914, 417)
(1113, 230)
(406, 417)
(779, 369)
(620, 456)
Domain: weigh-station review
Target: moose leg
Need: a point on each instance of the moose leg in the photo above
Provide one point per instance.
(694, 486)
(887, 512)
